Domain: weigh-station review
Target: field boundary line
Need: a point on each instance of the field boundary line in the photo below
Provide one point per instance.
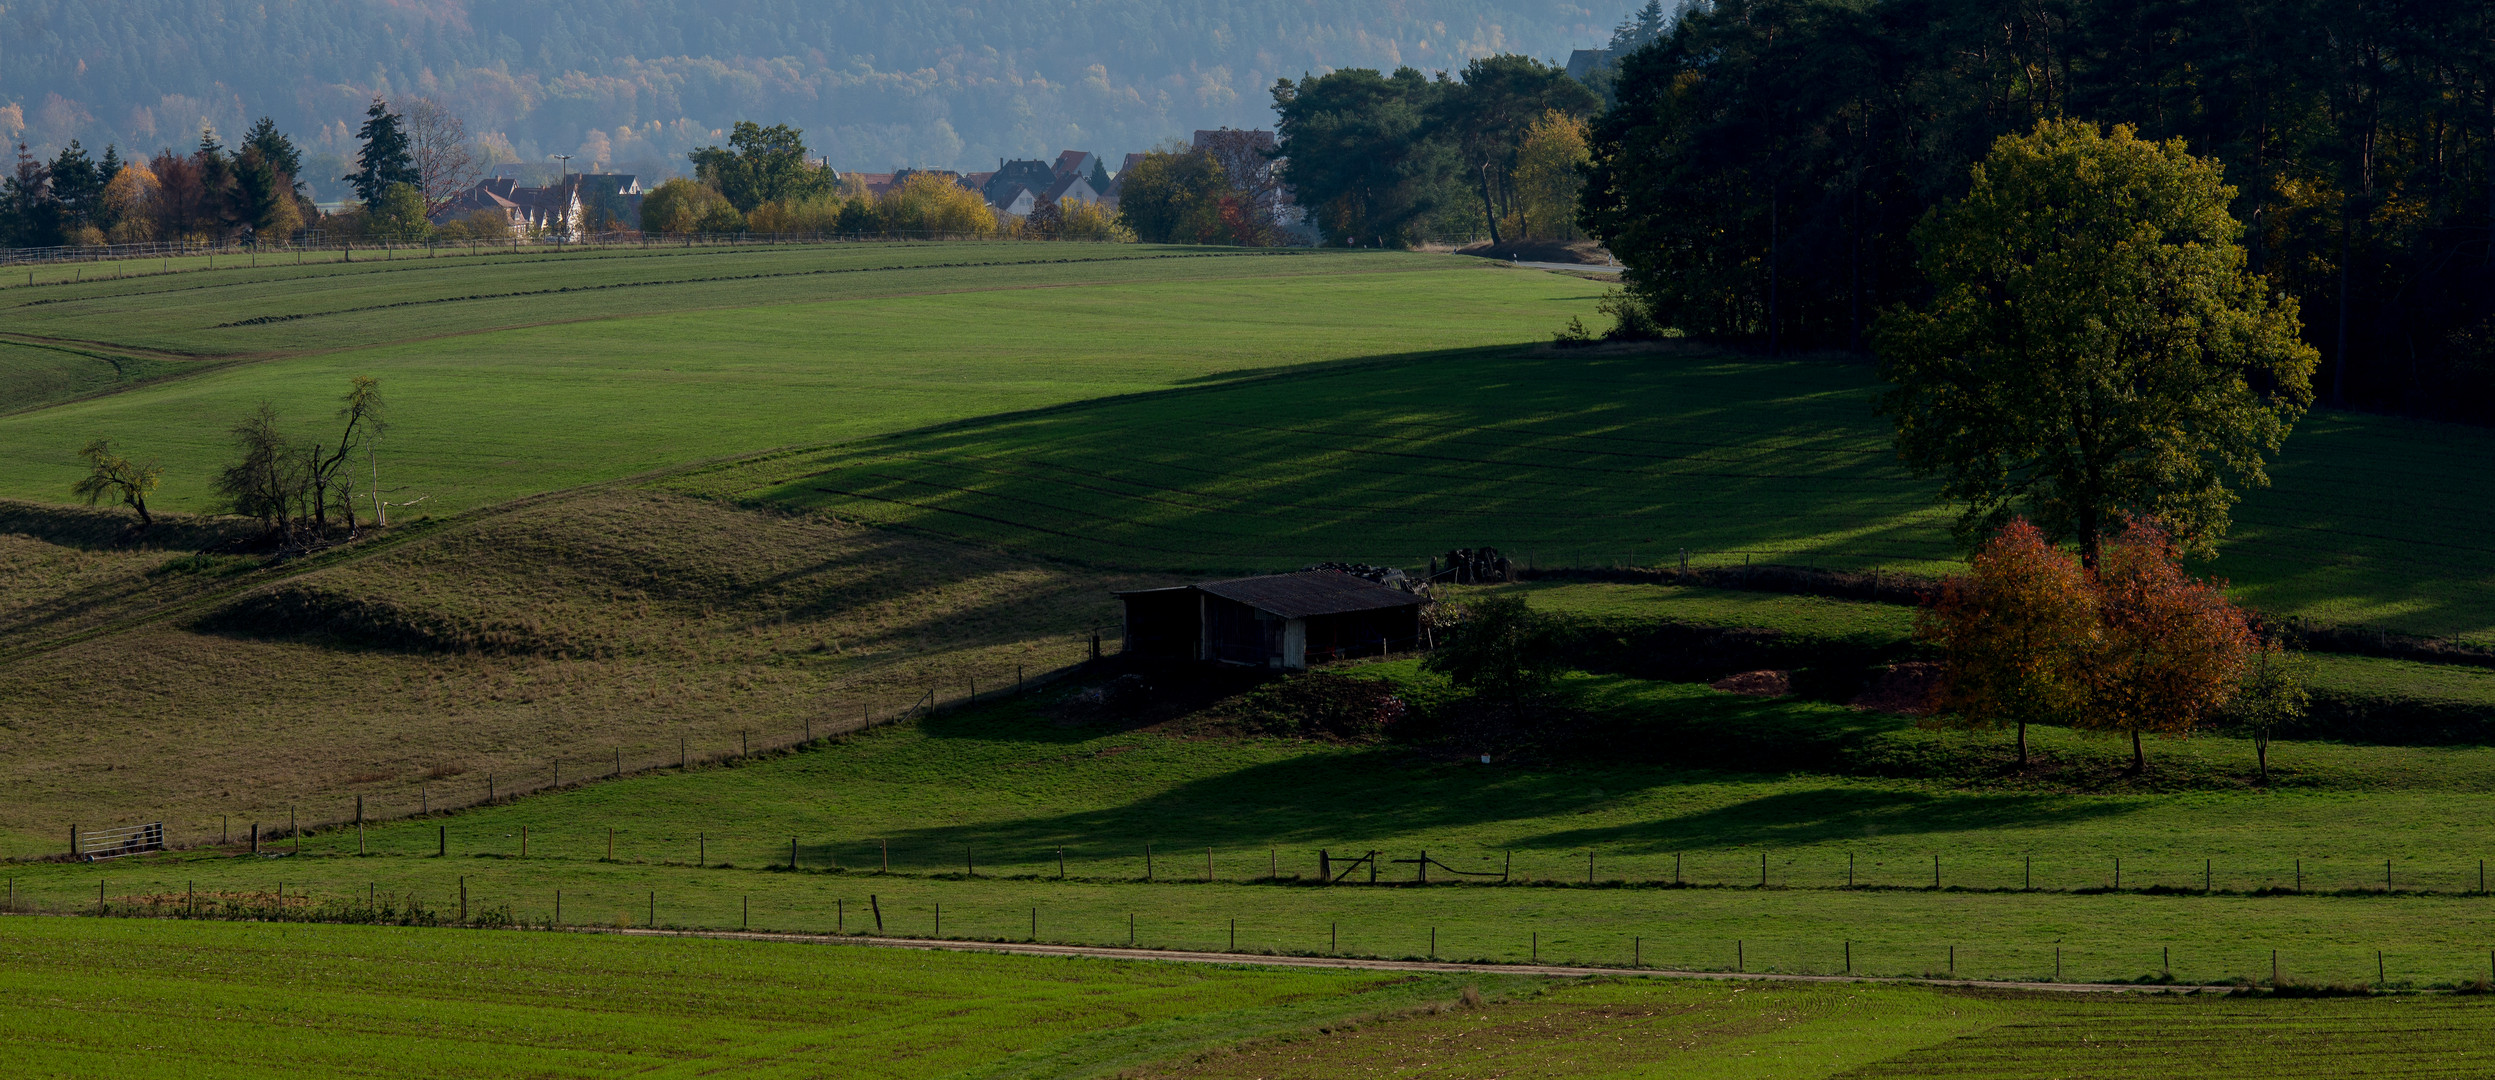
(1182, 956)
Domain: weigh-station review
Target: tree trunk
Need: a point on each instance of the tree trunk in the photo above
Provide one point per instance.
(1489, 213)
(2339, 362)
(139, 503)
(2022, 746)
(2139, 759)
(2261, 752)
(1775, 245)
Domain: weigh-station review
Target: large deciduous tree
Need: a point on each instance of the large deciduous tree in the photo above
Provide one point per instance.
(2014, 635)
(2093, 347)
(438, 148)
(1173, 196)
(761, 165)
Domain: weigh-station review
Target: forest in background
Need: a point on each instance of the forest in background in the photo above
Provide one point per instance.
(1767, 160)
(633, 87)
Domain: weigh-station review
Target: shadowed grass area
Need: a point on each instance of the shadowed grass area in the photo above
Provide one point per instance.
(1569, 460)
(1819, 618)
(1654, 1029)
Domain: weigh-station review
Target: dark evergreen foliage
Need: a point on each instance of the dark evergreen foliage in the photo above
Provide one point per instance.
(386, 158)
(1767, 158)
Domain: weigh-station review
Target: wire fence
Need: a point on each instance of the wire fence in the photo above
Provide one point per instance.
(283, 830)
(1148, 919)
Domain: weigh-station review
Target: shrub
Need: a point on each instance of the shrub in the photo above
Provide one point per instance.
(1501, 650)
(1320, 703)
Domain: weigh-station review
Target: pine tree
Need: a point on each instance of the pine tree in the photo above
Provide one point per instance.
(276, 149)
(76, 184)
(216, 183)
(385, 159)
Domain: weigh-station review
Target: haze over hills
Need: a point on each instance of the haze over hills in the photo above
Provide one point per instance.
(632, 85)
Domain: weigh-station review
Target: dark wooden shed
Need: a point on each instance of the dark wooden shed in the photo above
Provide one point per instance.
(1278, 620)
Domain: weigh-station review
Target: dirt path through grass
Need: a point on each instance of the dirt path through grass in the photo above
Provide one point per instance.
(1183, 956)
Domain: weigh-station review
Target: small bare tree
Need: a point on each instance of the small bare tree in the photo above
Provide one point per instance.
(362, 412)
(110, 474)
(445, 160)
(271, 480)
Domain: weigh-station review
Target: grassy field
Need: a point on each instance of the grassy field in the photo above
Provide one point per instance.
(1569, 460)
(1648, 1029)
(1855, 622)
(518, 374)
(500, 387)
(146, 999)
(577, 631)
(96, 998)
(2422, 941)
(973, 810)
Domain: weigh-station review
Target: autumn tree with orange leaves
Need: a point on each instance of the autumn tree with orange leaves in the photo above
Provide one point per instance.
(2013, 634)
(2136, 645)
(2171, 648)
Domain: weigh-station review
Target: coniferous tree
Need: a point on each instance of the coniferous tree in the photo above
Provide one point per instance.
(216, 184)
(277, 150)
(1359, 154)
(386, 158)
(262, 198)
(29, 215)
(77, 184)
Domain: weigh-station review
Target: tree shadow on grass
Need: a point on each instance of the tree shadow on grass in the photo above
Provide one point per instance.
(1360, 797)
(1822, 814)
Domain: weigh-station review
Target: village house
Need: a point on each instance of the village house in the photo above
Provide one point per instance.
(579, 202)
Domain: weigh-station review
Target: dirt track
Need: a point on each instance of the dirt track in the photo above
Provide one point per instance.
(1261, 960)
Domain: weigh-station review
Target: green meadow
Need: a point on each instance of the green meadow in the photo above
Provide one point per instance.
(1003, 822)
(106, 997)
(1656, 1029)
(686, 495)
(511, 378)
(207, 999)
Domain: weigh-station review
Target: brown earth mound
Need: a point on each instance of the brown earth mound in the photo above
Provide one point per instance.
(1903, 689)
(1757, 683)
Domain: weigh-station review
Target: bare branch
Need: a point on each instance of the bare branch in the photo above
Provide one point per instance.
(445, 160)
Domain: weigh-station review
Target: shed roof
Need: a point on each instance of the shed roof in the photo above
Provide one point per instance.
(1310, 592)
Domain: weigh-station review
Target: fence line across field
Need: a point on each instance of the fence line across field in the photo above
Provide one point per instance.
(560, 773)
(460, 900)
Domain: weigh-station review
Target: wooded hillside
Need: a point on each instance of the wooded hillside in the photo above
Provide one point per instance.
(874, 84)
